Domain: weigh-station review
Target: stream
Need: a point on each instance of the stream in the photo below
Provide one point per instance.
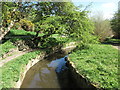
(47, 74)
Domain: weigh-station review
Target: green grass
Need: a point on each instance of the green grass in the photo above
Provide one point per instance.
(23, 32)
(11, 70)
(98, 63)
(17, 35)
(62, 38)
(6, 47)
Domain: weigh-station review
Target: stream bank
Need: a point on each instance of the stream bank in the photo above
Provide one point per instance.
(31, 63)
(79, 80)
(37, 74)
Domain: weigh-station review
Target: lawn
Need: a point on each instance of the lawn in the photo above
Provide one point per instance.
(5, 47)
(23, 32)
(11, 70)
(98, 63)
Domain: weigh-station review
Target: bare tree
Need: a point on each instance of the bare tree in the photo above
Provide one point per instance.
(102, 26)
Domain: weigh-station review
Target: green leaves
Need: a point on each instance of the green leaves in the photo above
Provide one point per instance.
(65, 19)
(115, 23)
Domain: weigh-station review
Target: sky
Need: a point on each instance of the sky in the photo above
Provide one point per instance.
(107, 8)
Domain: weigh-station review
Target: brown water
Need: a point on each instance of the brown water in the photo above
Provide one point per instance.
(42, 76)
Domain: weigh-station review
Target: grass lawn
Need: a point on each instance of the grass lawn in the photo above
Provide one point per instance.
(98, 63)
(11, 70)
(23, 32)
(4, 48)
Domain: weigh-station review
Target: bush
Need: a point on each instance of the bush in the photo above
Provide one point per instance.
(115, 22)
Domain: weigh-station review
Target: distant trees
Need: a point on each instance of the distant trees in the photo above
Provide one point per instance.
(115, 23)
(102, 27)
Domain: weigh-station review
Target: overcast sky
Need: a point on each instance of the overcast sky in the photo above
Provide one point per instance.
(106, 7)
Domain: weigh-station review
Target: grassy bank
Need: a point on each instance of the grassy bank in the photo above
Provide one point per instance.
(5, 47)
(11, 70)
(98, 63)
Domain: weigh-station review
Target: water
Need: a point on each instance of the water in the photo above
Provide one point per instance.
(43, 74)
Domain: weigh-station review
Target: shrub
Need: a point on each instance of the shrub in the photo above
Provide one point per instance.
(115, 23)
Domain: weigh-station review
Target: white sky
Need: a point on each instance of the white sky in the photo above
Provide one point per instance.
(106, 7)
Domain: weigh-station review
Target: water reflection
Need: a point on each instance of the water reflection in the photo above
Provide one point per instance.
(59, 64)
(43, 75)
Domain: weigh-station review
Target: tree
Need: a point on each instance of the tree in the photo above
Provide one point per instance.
(102, 27)
(62, 18)
(54, 18)
(115, 23)
(10, 15)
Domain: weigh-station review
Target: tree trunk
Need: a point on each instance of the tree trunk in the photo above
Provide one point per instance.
(2, 34)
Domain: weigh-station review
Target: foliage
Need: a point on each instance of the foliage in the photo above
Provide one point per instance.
(11, 70)
(49, 26)
(10, 13)
(52, 18)
(66, 20)
(6, 47)
(102, 27)
(26, 25)
(115, 22)
(98, 63)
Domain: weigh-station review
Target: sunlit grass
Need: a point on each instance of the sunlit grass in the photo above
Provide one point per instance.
(98, 63)
(11, 70)
(5, 47)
